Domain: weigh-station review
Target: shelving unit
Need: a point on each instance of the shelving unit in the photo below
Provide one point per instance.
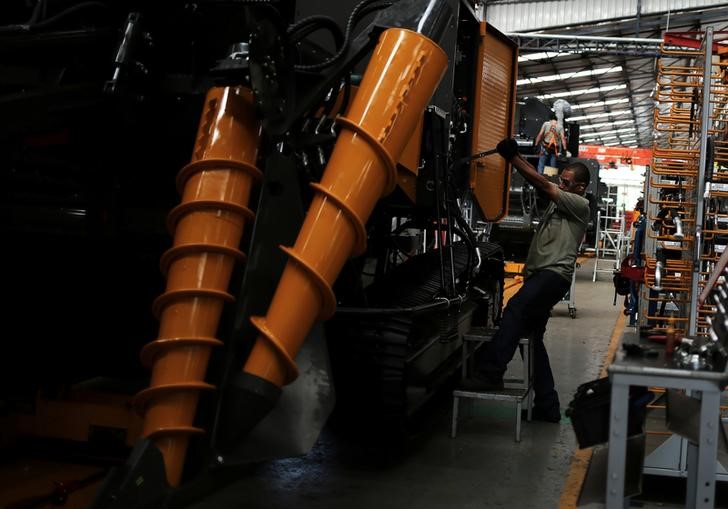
(686, 206)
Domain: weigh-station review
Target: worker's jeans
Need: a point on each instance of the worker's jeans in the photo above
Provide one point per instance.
(526, 312)
(543, 155)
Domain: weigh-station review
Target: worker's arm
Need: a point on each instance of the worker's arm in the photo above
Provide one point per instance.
(535, 178)
(539, 136)
(563, 140)
(508, 149)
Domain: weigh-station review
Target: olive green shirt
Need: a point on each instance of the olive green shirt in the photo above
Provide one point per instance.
(557, 239)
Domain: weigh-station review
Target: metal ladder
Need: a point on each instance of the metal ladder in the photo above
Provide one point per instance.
(609, 245)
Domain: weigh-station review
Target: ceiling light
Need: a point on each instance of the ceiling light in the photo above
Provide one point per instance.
(599, 103)
(543, 56)
(583, 91)
(599, 115)
(605, 124)
(610, 137)
(597, 135)
(569, 75)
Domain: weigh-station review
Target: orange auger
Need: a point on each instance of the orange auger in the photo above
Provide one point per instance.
(208, 226)
(399, 81)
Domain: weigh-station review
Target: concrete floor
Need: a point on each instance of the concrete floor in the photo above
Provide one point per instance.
(482, 467)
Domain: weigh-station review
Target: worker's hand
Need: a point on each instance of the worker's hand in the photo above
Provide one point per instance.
(507, 148)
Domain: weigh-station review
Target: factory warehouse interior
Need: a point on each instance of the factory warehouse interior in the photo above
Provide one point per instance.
(364, 254)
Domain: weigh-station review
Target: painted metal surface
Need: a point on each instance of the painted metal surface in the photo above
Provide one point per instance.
(408, 163)
(490, 177)
(208, 226)
(400, 79)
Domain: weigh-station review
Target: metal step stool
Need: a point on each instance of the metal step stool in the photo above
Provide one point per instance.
(515, 390)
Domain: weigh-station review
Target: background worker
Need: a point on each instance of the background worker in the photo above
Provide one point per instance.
(549, 140)
(547, 277)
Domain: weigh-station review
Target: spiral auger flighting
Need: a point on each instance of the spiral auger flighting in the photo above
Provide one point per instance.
(208, 226)
(399, 81)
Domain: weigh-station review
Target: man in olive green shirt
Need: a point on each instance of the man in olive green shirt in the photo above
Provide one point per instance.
(548, 272)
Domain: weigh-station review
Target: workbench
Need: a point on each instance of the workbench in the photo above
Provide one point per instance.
(704, 386)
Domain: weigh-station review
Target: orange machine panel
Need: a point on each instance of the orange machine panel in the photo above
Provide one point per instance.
(494, 94)
(408, 163)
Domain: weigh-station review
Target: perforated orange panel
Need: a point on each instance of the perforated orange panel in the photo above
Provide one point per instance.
(494, 94)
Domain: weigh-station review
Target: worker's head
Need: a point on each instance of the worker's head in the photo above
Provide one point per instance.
(574, 178)
(552, 116)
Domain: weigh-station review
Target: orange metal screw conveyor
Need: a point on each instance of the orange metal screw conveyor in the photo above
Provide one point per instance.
(208, 227)
(397, 85)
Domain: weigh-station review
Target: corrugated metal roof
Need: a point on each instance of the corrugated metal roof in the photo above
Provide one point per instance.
(653, 6)
(512, 16)
(610, 107)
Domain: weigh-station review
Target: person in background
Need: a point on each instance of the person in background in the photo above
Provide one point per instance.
(547, 277)
(638, 209)
(549, 140)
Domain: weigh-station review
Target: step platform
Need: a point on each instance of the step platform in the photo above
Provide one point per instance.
(515, 390)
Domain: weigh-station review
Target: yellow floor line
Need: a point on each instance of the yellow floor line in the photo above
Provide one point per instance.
(582, 457)
(613, 343)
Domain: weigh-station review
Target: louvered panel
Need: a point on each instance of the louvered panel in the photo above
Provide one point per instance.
(494, 93)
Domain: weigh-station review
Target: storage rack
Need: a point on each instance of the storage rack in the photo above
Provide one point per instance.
(714, 161)
(689, 180)
(690, 120)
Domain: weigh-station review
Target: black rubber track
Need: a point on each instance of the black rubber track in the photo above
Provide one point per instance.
(369, 353)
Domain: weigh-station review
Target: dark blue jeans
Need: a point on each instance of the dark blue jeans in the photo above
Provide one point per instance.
(542, 156)
(527, 311)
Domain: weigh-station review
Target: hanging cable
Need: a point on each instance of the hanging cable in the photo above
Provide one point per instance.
(354, 18)
(305, 27)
